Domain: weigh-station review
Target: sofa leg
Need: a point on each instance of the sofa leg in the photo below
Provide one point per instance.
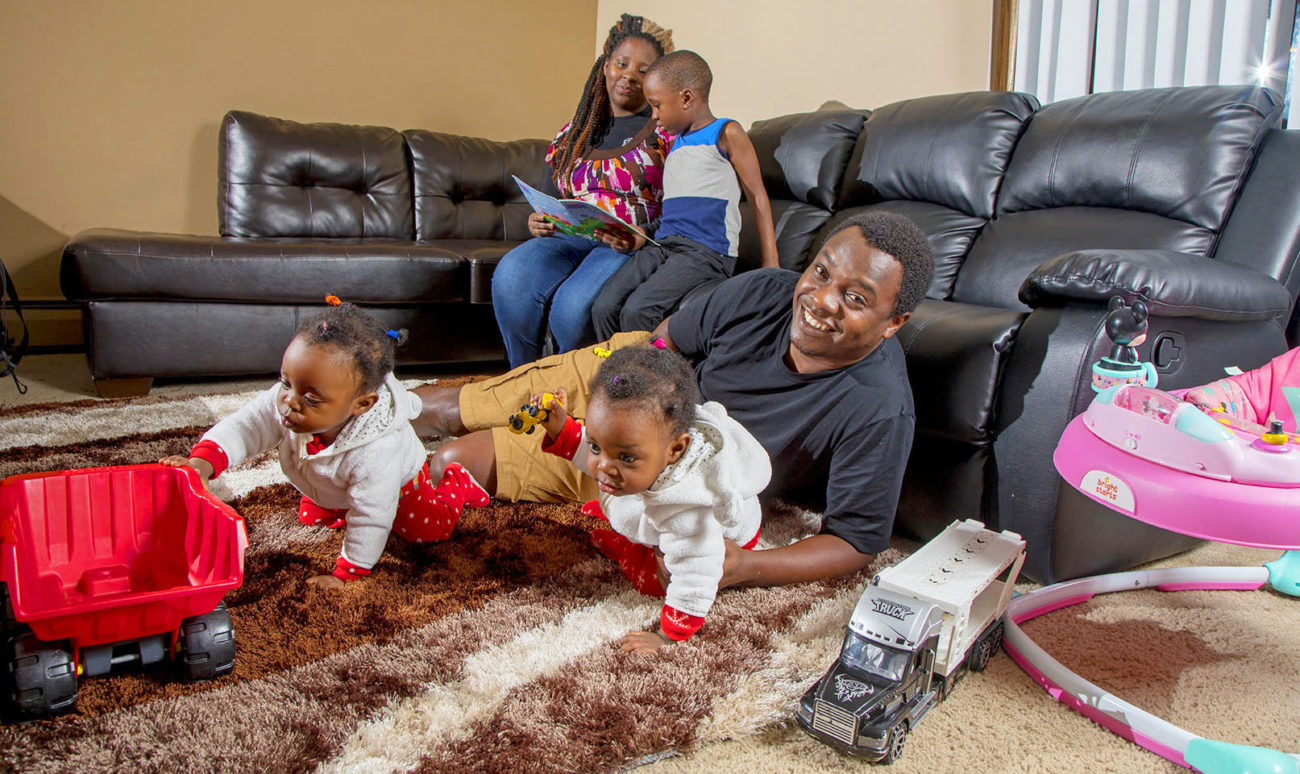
(123, 388)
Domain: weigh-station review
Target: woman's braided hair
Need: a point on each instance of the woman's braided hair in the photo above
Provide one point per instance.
(354, 332)
(591, 119)
(659, 379)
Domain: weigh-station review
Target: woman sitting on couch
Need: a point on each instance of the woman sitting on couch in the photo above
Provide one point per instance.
(611, 155)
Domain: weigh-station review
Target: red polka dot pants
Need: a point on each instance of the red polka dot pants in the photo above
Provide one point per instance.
(425, 513)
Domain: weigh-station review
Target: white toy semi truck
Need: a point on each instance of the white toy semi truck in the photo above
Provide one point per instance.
(919, 626)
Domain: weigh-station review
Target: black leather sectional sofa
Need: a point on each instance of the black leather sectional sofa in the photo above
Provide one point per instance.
(1187, 198)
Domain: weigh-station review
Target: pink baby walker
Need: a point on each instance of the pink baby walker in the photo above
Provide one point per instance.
(1148, 455)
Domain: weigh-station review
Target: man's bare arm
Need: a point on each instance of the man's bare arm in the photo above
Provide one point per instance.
(815, 558)
(661, 332)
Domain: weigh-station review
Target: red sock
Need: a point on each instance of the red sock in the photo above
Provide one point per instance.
(637, 561)
(459, 486)
(312, 514)
(428, 513)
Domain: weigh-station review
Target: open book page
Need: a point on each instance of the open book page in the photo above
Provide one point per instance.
(577, 217)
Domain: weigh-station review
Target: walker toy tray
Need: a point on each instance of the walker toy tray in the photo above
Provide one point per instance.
(1147, 454)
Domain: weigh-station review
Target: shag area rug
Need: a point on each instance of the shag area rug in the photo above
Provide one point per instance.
(496, 651)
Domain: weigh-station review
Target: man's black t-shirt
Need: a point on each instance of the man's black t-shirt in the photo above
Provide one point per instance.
(847, 430)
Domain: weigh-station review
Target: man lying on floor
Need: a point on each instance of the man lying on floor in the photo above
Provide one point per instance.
(807, 363)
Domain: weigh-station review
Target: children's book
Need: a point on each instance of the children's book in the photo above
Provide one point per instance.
(577, 217)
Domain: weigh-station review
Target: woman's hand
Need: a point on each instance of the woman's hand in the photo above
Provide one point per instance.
(622, 242)
(643, 642)
(539, 226)
(201, 466)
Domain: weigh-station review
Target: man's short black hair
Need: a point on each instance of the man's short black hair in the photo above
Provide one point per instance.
(901, 238)
(684, 70)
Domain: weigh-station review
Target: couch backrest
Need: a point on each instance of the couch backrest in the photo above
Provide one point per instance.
(279, 178)
(1156, 168)
(801, 158)
(464, 189)
(939, 161)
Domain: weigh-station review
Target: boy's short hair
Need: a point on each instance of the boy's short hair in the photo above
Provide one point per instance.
(684, 70)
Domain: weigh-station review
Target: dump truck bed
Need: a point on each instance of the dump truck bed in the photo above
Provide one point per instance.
(103, 555)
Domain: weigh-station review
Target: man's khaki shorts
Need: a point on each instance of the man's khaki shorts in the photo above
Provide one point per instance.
(524, 471)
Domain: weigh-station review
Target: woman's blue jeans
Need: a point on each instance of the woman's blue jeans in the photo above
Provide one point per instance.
(550, 282)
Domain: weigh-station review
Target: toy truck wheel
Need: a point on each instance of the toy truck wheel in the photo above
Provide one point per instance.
(986, 648)
(7, 621)
(897, 739)
(42, 677)
(206, 645)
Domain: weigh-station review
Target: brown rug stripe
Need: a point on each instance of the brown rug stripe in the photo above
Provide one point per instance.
(73, 407)
(127, 450)
(618, 708)
(292, 720)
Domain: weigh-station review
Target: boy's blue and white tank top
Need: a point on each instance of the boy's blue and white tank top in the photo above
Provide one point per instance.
(701, 192)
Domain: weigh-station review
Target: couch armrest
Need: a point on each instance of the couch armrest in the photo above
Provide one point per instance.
(1170, 283)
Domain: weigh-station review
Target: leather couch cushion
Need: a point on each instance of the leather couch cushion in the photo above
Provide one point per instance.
(949, 231)
(107, 263)
(280, 178)
(1181, 153)
(464, 188)
(483, 255)
(802, 156)
(955, 356)
(950, 150)
(1264, 232)
(797, 226)
(1012, 246)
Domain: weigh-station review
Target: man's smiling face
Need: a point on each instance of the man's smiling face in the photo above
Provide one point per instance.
(844, 304)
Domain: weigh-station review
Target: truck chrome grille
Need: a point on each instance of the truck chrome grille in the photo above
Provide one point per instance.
(834, 722)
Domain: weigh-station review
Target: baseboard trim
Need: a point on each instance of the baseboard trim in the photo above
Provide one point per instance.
(57, 349)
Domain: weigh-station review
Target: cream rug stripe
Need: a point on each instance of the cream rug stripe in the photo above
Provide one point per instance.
(244, 478)
(798, 656)
(442, 714)
(97, 424)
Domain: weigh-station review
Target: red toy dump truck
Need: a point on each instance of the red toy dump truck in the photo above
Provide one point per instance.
(108, 567)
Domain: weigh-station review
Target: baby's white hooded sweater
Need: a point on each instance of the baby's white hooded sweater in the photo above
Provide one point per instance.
(709, 494)
(363, 470)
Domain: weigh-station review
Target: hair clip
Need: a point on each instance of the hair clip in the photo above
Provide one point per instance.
(659, 344)
(394, 335)
(333, 300)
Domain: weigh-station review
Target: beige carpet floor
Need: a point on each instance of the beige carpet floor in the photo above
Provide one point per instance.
(1221, 664)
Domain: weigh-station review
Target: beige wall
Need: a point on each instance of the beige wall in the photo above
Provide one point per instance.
(111, 109)
(772, 57)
